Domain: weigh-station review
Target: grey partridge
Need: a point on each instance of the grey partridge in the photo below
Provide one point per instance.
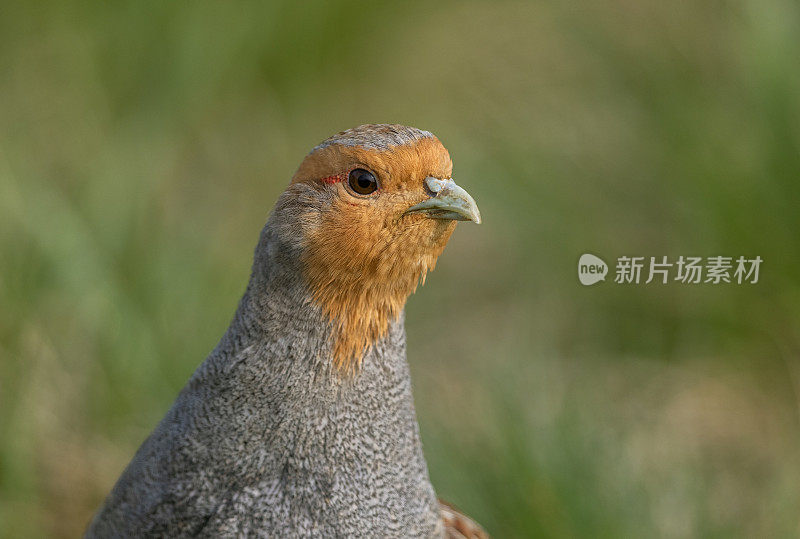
(301, 423)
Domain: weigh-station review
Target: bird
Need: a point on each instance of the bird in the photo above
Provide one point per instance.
(301, 421)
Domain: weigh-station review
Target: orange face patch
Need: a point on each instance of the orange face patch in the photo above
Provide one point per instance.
(366, 255)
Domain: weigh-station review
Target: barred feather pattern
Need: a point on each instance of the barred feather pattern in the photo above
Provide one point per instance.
(268, 439)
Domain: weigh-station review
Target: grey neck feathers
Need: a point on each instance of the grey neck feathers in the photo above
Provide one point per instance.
(267, 438)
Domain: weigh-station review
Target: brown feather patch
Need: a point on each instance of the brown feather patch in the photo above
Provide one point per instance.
(457, 525)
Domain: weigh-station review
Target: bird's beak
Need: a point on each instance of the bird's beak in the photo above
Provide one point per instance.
(449, 201)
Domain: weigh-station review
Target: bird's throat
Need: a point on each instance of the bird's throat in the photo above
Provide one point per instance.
(362, 285)
(360, 307)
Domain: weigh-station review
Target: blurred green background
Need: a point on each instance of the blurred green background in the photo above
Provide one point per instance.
(142, 145)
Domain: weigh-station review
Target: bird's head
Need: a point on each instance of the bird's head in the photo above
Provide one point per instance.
(370, 210)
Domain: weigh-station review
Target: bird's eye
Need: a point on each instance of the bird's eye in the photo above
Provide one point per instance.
(362, 181)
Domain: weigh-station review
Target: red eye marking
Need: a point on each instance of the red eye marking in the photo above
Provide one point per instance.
(335, 179)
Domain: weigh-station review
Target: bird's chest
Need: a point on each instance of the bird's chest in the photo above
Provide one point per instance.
(338, 463)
